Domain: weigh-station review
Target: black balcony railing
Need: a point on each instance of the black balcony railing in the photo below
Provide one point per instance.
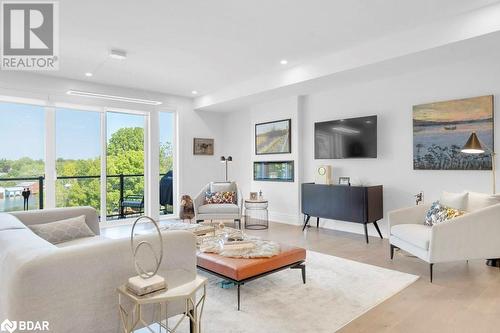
(133, 202)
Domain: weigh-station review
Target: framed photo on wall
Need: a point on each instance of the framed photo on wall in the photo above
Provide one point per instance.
(274, 137)
(203, 146)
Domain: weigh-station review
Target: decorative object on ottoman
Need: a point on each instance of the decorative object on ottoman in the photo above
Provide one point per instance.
(146, 281)
(187, 208)
(253, 195)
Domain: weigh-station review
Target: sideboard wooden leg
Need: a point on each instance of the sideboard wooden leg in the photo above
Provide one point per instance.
(306, 222)
(366, 232)
(378, 229)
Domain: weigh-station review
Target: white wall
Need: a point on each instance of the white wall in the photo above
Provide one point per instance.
(240, 143)
(391, 98)
(194, 171)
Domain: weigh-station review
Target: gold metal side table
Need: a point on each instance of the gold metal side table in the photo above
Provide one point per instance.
(134, 317)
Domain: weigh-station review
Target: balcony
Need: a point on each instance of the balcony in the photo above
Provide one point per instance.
(125, 194)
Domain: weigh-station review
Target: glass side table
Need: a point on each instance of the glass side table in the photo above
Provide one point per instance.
(256, 214)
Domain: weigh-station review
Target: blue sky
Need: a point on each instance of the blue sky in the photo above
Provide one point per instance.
(77, 132)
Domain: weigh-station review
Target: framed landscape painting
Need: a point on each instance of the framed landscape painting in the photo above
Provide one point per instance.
(441, 129)
(273, 137)
(203, 146)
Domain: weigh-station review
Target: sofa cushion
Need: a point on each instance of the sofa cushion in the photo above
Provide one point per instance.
(476, 201)
(454, 200)
(64, 230)
(218, 209)
(416, 234)
(9, 222)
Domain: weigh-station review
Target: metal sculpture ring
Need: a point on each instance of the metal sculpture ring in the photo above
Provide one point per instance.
(135, 249)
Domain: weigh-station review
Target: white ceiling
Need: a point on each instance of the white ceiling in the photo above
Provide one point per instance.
(176, 46)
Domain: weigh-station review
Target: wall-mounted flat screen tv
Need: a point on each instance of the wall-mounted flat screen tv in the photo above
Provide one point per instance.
(346, 138)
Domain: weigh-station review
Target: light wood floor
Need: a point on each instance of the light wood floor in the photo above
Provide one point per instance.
(464, 297)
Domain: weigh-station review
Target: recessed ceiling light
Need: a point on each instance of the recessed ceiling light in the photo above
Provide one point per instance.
(194, 92)
(284, 62)
(88, 74)
(118, 54)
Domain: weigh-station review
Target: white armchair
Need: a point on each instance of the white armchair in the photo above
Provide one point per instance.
(475, 235)
(218, 211)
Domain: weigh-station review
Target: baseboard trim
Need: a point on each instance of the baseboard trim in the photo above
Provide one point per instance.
(355, 228)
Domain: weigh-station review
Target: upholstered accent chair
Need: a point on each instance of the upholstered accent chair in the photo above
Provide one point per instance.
(223, 211)
(474, 235)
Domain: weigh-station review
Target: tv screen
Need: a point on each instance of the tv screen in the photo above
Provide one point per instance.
(346, 138)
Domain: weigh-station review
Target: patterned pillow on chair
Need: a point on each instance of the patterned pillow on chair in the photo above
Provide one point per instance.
(220, 198)
(440, 213)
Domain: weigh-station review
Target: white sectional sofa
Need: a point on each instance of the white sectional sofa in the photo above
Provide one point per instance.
(73, 285)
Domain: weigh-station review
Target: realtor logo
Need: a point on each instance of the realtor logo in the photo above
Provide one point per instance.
(8, 326)
(30, 32)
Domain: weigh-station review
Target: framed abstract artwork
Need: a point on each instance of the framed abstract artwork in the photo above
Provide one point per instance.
(441, 129)
(273, 137)
(203, 146)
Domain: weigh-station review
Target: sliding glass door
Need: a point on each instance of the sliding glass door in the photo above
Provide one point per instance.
(125, 165)
(121, 162)
(78, 158)
(22, 156)
(166, 159)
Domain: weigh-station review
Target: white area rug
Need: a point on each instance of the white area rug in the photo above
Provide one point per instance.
(336, 292)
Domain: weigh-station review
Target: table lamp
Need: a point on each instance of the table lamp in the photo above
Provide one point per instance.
(473, 146)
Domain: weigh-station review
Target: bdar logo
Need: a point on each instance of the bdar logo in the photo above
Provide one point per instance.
(8, 326)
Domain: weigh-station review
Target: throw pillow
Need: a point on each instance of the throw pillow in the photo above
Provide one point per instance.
(454, 200)
(440, 213)
(63, 230)
(478, 201)
(220, 198)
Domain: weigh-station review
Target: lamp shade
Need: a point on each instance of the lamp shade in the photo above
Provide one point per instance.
(229, 158)
(473, 146)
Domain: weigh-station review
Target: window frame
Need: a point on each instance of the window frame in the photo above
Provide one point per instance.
(151, 153)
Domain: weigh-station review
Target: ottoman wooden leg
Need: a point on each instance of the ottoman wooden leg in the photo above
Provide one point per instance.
(239, 296)
(302, 267)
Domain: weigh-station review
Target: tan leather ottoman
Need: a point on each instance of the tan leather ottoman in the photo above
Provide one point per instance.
(240, 271)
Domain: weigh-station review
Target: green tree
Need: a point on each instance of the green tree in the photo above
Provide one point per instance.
(125, 156)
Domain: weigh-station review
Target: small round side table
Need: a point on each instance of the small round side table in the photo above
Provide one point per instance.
(256, 214)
